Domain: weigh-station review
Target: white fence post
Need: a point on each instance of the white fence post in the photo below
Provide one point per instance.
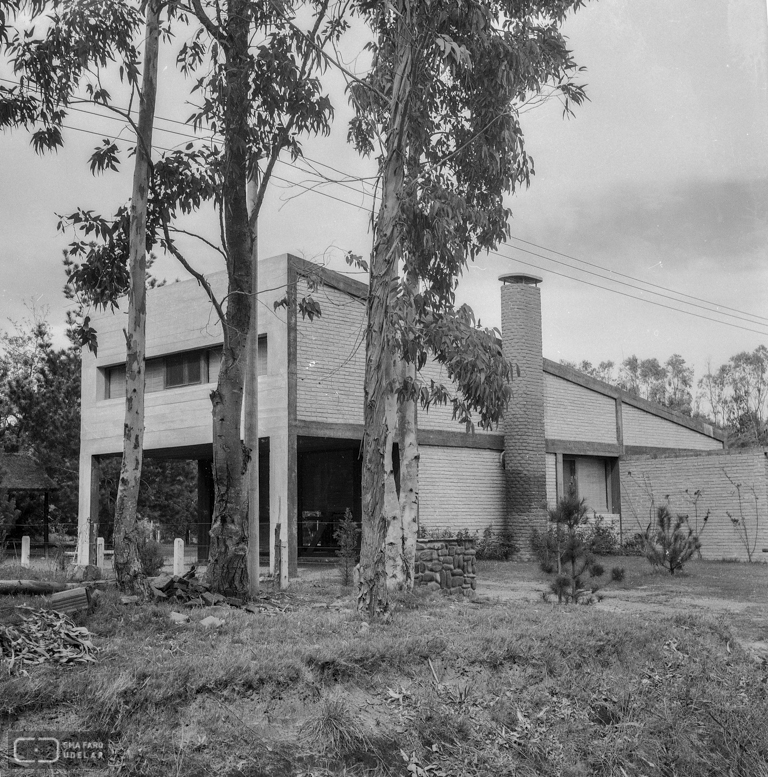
(178, 556)
(100, 552)
(25, 551)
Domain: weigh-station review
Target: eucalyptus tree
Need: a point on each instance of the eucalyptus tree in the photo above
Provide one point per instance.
(254, 73)
(76, 46)
(441, 106)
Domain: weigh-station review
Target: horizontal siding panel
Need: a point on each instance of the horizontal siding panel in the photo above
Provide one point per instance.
(642, 428)
(573, 412)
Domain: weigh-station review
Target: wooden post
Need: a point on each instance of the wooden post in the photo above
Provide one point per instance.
(284, 565)
(178, 556)
(278, 555)
(46, 511)
(93, 520)
(100, 553)
(25, 551)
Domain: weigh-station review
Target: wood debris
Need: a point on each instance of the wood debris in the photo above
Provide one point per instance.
(44, 636)
(189, 591)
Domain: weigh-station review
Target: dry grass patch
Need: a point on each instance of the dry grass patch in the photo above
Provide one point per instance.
(449, 688)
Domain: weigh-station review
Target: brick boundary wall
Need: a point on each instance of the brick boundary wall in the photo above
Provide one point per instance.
(447, 564)
(645, 480)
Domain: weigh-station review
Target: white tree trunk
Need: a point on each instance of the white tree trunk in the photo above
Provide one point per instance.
(128, 569)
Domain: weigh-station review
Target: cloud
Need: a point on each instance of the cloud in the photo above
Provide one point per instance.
(686, 222)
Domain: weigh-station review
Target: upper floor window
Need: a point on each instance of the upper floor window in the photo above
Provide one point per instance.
(176, 370)
(184, 369)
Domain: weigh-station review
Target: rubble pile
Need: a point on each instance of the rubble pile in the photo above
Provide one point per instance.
(189, 591)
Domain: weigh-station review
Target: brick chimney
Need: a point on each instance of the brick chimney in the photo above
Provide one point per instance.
(525, 455)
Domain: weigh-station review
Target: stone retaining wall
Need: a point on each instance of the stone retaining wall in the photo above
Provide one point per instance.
(446, 564)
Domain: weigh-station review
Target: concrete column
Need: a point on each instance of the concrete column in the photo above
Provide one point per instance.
(100, 553)
(88, 509)
(525, 458)
(178, 556)
(282, 500)
(25, 551)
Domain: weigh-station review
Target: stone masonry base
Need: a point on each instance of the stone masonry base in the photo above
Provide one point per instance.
(447, 565)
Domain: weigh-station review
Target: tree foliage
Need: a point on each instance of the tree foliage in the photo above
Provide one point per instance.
(254, 73)
(735, 396)
(40, 406)
(440, 108)
(668, 384)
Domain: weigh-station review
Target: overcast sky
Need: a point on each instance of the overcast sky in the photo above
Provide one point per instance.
(662, 177)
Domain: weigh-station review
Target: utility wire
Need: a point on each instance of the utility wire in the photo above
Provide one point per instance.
(633, 286)
(630, 277)
(631, 296)
(531, 264)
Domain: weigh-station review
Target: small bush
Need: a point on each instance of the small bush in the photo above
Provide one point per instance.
(600, 537)
(347, 534)
(335, 729)
(671, 543)
(495, 546)
(150, 551)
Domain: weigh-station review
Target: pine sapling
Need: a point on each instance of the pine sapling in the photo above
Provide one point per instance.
(575, 561)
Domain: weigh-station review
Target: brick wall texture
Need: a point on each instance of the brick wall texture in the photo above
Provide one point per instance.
(330, 363)
(646, 478)
(440, 417)
(460, 488)
(641, 428)
(524, 420)
(577, 413)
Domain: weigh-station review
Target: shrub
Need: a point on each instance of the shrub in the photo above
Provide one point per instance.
(544, 547)
(600, 537)
(495, 546)
(347, 534)
(671, 542)
(150, 551)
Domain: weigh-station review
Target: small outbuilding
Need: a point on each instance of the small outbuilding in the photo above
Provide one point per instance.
(20, 473)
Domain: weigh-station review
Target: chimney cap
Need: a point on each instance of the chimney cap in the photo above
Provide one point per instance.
(521, 277)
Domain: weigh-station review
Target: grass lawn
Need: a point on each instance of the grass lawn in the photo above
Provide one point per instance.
(716, 579)
(444, 688)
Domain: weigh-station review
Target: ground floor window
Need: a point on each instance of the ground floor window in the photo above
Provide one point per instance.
(593, 477)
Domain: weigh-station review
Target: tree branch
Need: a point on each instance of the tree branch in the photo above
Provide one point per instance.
(214, 31)
(199, 277)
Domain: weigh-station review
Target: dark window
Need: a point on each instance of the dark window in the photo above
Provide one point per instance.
(114, 383)
(182, 369)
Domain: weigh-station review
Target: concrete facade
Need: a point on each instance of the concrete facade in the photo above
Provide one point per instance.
(311, 401)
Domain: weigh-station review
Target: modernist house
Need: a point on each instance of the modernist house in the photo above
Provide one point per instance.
(561, 425)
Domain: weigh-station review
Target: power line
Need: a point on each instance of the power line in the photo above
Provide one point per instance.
(639, 280)
(631, 285)
(624, 294)
(591, 264)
